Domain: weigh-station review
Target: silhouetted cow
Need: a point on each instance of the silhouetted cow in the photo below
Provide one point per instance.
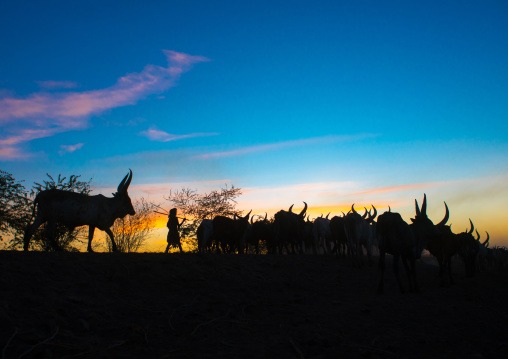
(358, 233)
(259, 231)
(339, 237)
(322, 235)
(76, 209)
(404, 241)
(289, 229)
(468, 249)
(204, 235)
(228, 233)
(484, 252)
(444, 248)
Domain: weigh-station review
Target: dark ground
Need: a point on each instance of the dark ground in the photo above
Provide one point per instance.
(81, 305)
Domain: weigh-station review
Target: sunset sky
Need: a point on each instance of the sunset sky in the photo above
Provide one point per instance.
(328, 102)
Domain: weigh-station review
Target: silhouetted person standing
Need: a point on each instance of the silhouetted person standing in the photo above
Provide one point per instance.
(174, 230)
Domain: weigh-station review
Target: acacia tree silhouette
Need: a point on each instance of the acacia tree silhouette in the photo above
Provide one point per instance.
(196, 207)
(14, 207)
(131, 232)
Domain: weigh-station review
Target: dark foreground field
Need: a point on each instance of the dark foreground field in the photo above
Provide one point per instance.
(80, 305)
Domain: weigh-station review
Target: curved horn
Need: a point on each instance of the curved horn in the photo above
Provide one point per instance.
(375, 212)
(365, 214)
(446, 217)
(389, 209)
(472, 227)
(417, 209)
(343, 214)
(248, 214)
(302, 213)
(251, 220)
(486, 243)
(122, 187)
(328, 215)
(291, 209)
(424, 205)
(353, 208)
(477, 236)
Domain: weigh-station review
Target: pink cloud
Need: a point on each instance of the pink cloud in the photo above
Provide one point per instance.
(155, 134)
(72, 110)
(9, 153)
(25, 135)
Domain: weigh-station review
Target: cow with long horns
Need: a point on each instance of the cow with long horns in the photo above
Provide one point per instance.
(404, 242)
(76, 209)
(339, 237)
(289, 229)
(259, 231)
(358, 233)
(444, 248)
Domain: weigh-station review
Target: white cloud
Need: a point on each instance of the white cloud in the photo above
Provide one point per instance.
(155, 134)
(70, 148)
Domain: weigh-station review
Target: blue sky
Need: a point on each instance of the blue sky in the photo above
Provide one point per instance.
(327, 102)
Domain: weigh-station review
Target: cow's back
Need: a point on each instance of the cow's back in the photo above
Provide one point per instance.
(73, 209)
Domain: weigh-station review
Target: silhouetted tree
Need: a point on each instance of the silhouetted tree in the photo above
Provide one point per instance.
(131, 232)
(67, 240)
(14, 203)
(196, 207)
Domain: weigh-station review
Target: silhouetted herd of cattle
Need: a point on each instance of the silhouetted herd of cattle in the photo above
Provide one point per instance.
(352, 235)
(349, 235)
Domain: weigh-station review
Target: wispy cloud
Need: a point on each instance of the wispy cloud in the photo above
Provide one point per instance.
(53, 85)
(12, 153)
(9, 145)
(70, 148)
(155, 134)
(71, 110)
(286, 144)
(399, 188)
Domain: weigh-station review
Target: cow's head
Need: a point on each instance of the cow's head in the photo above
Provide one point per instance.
(122, 195)
(373, 216)
(423, 228)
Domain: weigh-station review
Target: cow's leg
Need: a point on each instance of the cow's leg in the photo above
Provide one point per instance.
(50, 235)
(396, 271)
(382, 267)
(91, 229)
(112, 237)
(442, 269)
(412, 265)
(369, 253)
(409, 273)
(449, 268)
(29, 232)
